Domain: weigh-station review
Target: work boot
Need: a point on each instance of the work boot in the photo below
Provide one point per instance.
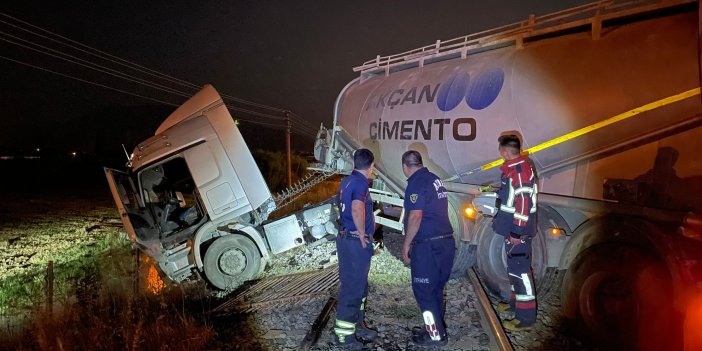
(420, 337)
(503, 307)
(348, 342)
(515, 325)
(364, 333)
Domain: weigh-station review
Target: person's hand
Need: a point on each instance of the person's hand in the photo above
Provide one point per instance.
(405, 254)
(514, 241)
(364, 240)
(486, 188)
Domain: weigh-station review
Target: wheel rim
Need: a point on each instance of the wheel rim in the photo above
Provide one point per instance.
(608, 306)
(232, 262)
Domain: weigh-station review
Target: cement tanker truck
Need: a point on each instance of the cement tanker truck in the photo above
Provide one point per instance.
(606, 99)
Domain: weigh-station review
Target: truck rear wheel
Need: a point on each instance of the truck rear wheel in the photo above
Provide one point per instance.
(465, 251)
(622, 295)
(492, 263)
(466, 254)
(230, 261)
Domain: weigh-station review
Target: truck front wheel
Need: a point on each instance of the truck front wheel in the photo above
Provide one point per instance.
(230, 261)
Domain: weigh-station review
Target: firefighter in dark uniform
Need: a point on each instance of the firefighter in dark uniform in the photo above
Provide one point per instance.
(429, 246)
(354, 248)
(516, 221)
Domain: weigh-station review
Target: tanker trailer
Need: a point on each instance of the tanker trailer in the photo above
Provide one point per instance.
(606, 100)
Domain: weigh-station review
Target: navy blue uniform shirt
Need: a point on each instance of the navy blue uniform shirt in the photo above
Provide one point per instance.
(426, 192)
(355, 187)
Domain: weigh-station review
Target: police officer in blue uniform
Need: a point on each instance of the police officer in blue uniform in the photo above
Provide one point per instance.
(429, 246)
(354, 248)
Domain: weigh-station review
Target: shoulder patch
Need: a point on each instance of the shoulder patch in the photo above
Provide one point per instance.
(413, 198)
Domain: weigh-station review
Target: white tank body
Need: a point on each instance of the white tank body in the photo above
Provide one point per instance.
(453, 111)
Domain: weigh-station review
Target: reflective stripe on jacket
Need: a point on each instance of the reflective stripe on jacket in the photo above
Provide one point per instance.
(518, 193)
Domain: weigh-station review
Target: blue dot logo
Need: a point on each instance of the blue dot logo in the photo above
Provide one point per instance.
(485, 89)
(479, 92)
(451, 93)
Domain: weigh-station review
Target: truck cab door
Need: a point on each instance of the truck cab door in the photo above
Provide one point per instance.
(125, 196)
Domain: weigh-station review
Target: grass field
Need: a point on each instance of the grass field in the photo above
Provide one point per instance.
(99, 295)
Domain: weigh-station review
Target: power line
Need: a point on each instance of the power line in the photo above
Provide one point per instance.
(277, 126)
(86, 81)
(300, 124)
(303, 121)
(118, 60)
(102, 54)
(99, 68)
(122, 75)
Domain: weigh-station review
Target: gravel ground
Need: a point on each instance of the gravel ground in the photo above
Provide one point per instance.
(551, 332)
(392, 309)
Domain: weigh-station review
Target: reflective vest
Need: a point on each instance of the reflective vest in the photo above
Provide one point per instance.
(517, 194)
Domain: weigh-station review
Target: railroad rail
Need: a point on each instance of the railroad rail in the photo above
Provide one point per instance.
(301, 287)
(283, 289)
(489, 319)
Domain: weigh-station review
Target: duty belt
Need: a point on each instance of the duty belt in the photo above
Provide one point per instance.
(434, 238)
(344, 234)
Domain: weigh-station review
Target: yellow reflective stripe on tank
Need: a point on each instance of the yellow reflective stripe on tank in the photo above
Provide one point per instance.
(593, 127)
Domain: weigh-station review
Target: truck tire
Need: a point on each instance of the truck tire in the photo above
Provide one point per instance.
(230, 261)
(465, 251)
(466, 255)
(621, 295)
(492, 263)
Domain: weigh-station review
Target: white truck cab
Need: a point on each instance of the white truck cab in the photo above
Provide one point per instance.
(194, 199)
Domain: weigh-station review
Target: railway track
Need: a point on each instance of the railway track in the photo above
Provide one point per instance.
(282, 289)
(489, 319)
(302, 287)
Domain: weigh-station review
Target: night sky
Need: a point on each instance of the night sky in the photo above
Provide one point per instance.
(295, 55)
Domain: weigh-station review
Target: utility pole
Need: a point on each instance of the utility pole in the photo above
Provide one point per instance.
(288, 131)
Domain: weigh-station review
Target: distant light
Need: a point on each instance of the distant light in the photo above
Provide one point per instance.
(74, 154)
(38, 149)
(236, 122)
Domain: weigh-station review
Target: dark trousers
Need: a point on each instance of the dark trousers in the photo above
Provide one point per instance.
(431, 262)
(354, 265)
(520, 277)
